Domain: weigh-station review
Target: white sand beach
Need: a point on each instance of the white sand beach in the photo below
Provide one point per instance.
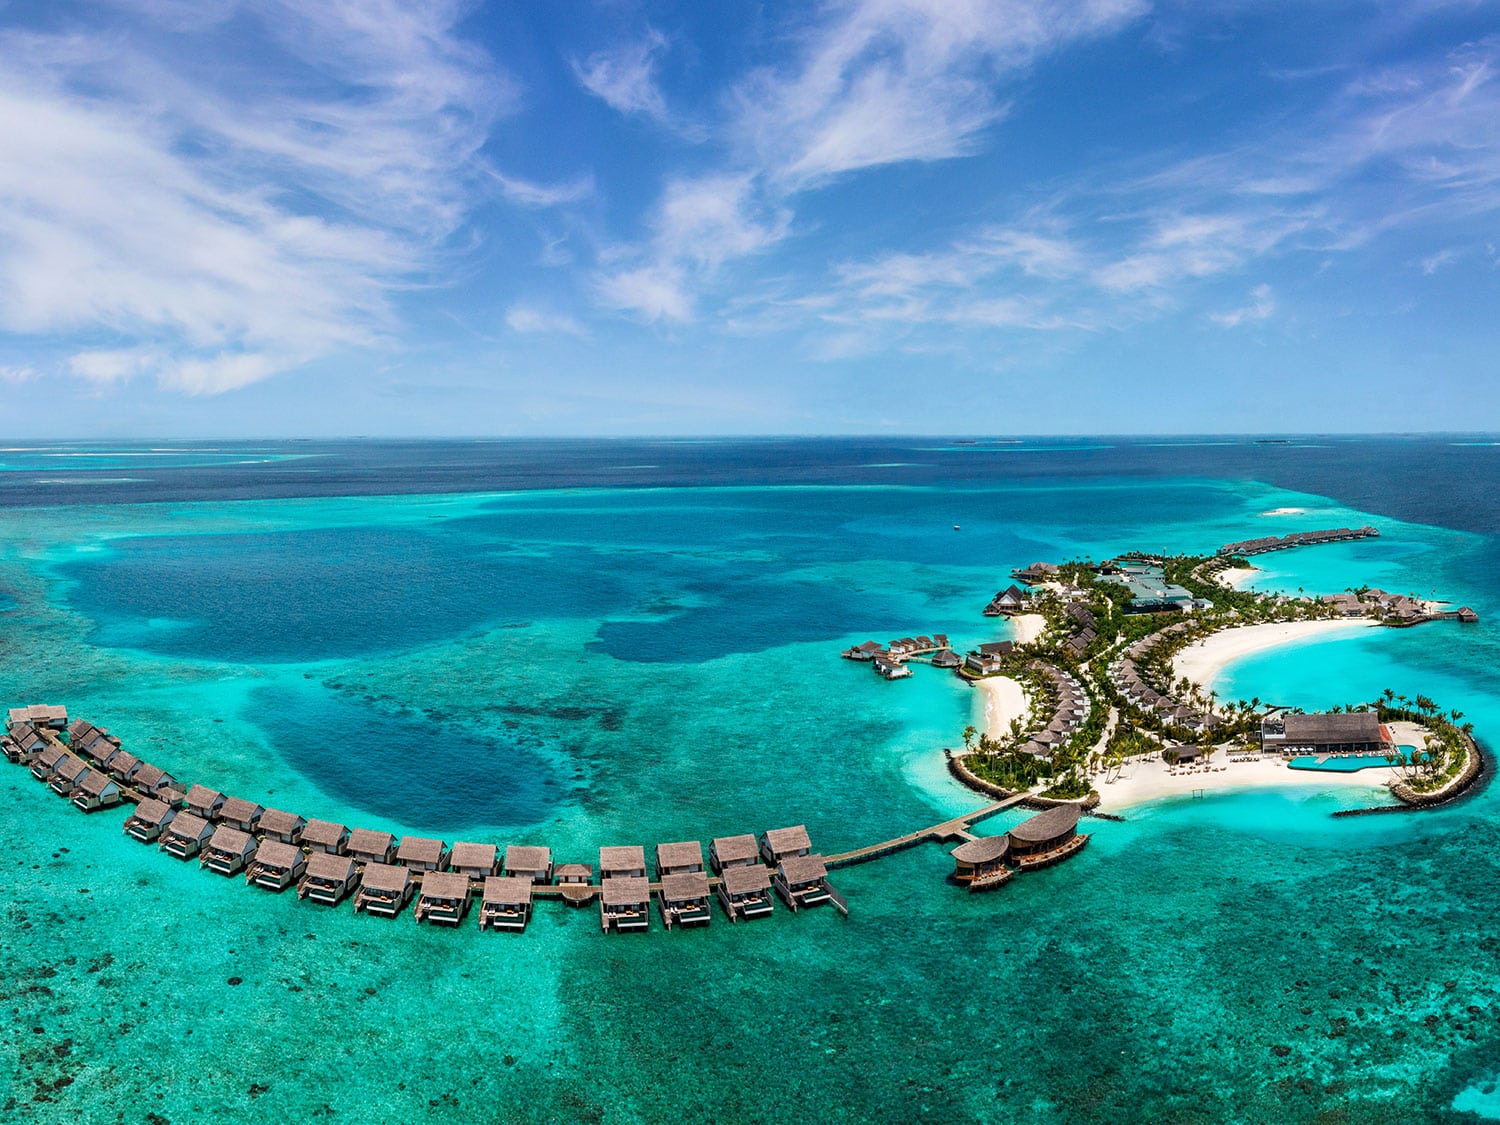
(1235, 577)
(1202, 662)
(1150, 779)
(1028, 627)
(1004, 700)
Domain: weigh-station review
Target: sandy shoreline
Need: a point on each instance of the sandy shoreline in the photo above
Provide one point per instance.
(1028, 627)
(1203, 661)
(1151, 779)
(1235, 577)
(1004, 700)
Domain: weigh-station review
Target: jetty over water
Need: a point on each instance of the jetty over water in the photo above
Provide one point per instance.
(329, 863)
(1247, 547)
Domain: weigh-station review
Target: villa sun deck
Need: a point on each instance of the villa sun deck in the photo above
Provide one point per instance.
(385, 891)
(185, 836)
(443, 899)
(732, 851)
(276, 865)
(683, 899)
(229, 850)
(505, 903)
(328, 878)
(625, 904)
(802, 881)
(745, 891)
(149, 820)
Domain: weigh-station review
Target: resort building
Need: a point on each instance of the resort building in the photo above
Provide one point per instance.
(625, 903)
(285, 827)
(154, 782)
(422, 854)
(186, 836)
(947, 658)
(66, 775)
(328, 878)
(97, 745)
(96, 791)
(745, 891)
(1037, 573)
(575, 874)
(673, 859)
(980, 863)
(39, 715)
(732, 851)
(240, 813)
(44, 763)
(204, 802)
(1358, 732)
(777, 844)
(276, 866)
(325, 836)
(505, 902)
(1047, 838)
(684, 899)
(385, 889)
(149, 820)
(122, 765)
(802, 880)
(530, 862)
(474, 861)
(890, 669)
(22, 744)
(1007, 602)
(867, 651)
(229, 850)
(622, 862)
(444, 898)
(366, 845)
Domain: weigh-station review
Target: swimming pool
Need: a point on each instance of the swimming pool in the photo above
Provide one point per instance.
(1348, 764)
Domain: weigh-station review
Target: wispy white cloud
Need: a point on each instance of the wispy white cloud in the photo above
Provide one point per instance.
(530, 194)
(529, 319)
(1262, 306)
(14, 373)
(624, 78)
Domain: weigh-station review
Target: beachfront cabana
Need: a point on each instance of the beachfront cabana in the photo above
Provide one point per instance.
(66, 775)
(777, 844)
(228, 850)
(802, 881)
(325, 836)
(745, 891)
(204, 802)
(96, 791)
(672, 859)
(241, 814)
(474, 860)
(1047, 838)
(530, 862)
(625, 903)
(277, 865)
(385, 890)
(981, 862)
(422, 854)
(328, 878)
(683, 899)
(282, 826)
(186, 836)
(443, 898)
(622, 862)
(149, 820)
(505, 903)
(367, 845)
(732, 851)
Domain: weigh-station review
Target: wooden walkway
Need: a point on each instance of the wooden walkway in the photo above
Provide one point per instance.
(956, 828)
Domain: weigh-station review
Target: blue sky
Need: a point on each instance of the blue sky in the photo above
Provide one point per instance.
(371, 217)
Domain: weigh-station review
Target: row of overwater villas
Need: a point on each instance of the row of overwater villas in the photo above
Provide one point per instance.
(1047, 838)
(328, 862)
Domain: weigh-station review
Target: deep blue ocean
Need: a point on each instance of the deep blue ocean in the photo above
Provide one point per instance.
(583, 643)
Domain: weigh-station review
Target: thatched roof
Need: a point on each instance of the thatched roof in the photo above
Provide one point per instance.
(237, 808)
(625, 857)
(507, 890)
(276, 822)
(329, 868)
(473, 855)
(386, 877)
(188, 826)
(746, 879)
(1049, 825)
(420, 849)
(575, 871)
(273, 853)
(684, 885)
(202, 797)
(369, 841)
(151, 812)
(679, 855)
(627, 890)
(151, 777)
(527, 857)
(732, 849)
(1360, 726)
(803, 868)
(445, 884)
(983, 849)
(95, 783)
(784, 840)
(323, 833)
(232, 840)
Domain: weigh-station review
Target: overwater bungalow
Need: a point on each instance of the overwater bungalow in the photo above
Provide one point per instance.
(732, 851)
(575, 874)
(22, 744)
(122, 766)
(777, 844)
(77, 729)
(625, 903)
(980, 863)
(673, 859)
(44, 763)
(683, 899)
(422, 854)
(890, 669)
(277, 865)
(240, 813)
(1047, 838)
(227, 851)
(475, 861)
(325, 836)
(186, 836)
(385, 890)
(367, 845)
(505, 903)
(282, 826)
(802, 880)
(946, 658)
(66, 775)
(443, 898)
(622, 862)
(867, 651)
(204, 802)
(530, 862)
(39, 715)
(745, 891)
(328, 878)
(155, 782)
(149, 820)
(96, 791)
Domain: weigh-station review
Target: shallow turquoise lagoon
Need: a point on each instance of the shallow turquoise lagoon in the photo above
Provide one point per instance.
(599, 666)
